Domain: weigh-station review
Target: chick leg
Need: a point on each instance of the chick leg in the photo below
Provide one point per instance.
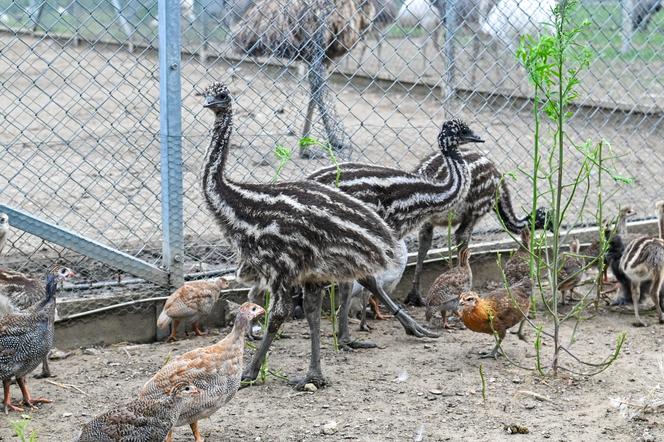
(345, 340)
(363, 316)
(198, 330)
(174, 331)
(7, 402)
(636, 294)
(46, 372)
(425, 237)
(375, 307)
(493, 353)
(27, 399)
(169, 437)
(519, 333)
(197, 434)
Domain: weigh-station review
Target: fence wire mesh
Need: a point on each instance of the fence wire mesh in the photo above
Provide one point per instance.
(80, 112)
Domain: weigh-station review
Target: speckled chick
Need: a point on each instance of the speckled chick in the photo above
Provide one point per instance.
(4, 230)
(190, 302)
(25, 340)
(19, 292)
(444, 293)
(517, 266)
(215, 370)
(141, 420)
(571, 272)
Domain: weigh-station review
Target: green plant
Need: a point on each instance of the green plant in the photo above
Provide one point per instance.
(20, 428)
(309, 142)
(483, 379)
(553, 64)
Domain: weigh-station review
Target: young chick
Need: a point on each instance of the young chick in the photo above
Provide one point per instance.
(215, 370)
(619, 230)
(517, 265)
(571, 271)
(496, 311)
(189, 303)
(141, 420)
(444, 292)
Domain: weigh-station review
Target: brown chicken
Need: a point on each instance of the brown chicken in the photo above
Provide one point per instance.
(444, 293)
(517, 266)
(215, 370)
(497, 311)
(571, 272)
(189, 303)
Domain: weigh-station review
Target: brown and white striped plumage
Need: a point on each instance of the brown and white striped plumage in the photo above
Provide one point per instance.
(643, 260)
(215, 370)
(517, 265)
(141, 420)
(191, 301)
(444, 293)
(407, 200)
(571, 271)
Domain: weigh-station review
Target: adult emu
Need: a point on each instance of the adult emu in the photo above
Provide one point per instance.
(294, 234)
(312, 31)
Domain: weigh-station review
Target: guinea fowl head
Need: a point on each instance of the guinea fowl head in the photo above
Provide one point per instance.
(221, 283)
(4, 221)
(217, 98)
(184, 391)
(454, 133)
(62, 273)
(250, 311)
(627, 212)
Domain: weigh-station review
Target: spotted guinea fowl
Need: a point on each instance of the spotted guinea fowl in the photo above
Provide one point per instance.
(25, 340)
(215, 370)
(571, 271)
(444, 293)
(141, 420)
(19, 292)
(496, 311)
(190, 302)
(4, 230)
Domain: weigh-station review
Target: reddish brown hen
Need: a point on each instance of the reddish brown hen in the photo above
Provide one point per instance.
(497, 311)
(190, 302)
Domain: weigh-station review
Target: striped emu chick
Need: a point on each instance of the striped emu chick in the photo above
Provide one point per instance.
(619, 229)
(4, 230)
(488, 192)
(643, 260)
(215, 370)
(294, 234)
(25, 340)
(190, 302)
(496, 311)
(19, 292)
(571, 271)
(404, 200)
(141, 420)
(444, 293)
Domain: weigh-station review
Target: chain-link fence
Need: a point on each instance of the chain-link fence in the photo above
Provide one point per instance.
(80, 89)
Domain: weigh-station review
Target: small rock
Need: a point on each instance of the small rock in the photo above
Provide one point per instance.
(516, 429)
(436, 391)
(66, 414)
(92, 351)
(529, 406)
(330, 428)
(427, 346)
(310, 387)
(56, 355)
(517, 381)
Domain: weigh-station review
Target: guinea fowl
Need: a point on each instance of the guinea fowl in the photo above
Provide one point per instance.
(294, 235)
(643, 260)
(496, 311)
(404, 200)
(215, 370)
(4, 230)
(488, 192)
(141, 420)
(23, 292)
(444, 293)
(190, 302)
(571, 271)
(25, 340)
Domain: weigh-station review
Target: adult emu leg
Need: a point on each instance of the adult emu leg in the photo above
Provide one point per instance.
(345, 340)
(312, 305)
(409, 324)
(278, 312)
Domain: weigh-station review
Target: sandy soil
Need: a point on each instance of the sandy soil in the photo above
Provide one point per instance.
(406, 387)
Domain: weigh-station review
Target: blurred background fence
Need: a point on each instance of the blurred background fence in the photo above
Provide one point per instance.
(80, 93)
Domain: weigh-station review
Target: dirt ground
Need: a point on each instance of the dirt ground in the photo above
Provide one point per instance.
(407, 389)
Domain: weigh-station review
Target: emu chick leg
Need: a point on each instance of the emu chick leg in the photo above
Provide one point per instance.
(312, 306)
(425, 237)
(345, 340)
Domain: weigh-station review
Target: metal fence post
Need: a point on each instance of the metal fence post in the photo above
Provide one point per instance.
(627, 9)
(450, 33)
(170, 119)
